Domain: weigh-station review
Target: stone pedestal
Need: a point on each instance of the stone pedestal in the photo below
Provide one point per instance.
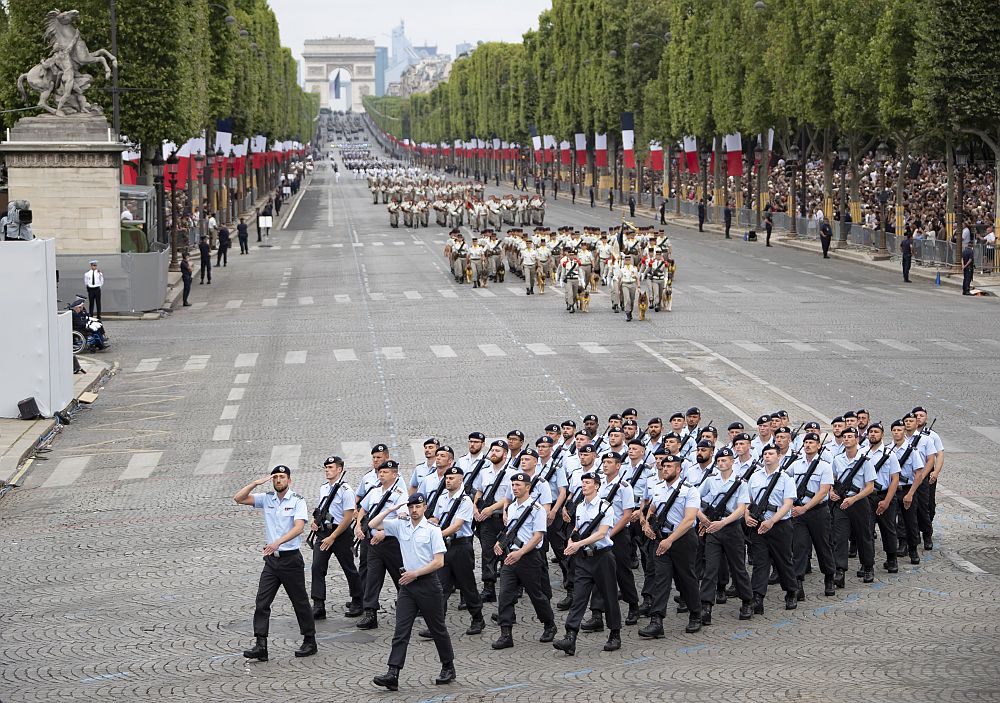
(68, 169)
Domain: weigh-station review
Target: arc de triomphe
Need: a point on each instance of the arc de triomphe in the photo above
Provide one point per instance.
(321, 57)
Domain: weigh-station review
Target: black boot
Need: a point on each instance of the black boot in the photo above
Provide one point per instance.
(720, 596)
(746, 610)
(504, 641)
(791, 602)
(800, 592)
(567, 643)
(462, 604)
(259, 651)
(368, 622)
(353, 610)
(914, 556)
(308, 647)
(489, 594)
(319, 610)
(706, 613)
(892, 566)
(548, 632)
(478, 624)
(595, 624)
(654, 629)
(758, 604)
(390, 679)
(829, 588)
(447, 674)
(869, 575)
(614, 642)
(425, 634)
(647, 603)
(838, 579)
(566, 603)
(694, 623)
(633, 614)
(682, 607)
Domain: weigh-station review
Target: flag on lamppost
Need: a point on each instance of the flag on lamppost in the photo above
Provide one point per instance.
(628, 139)
(549, 145)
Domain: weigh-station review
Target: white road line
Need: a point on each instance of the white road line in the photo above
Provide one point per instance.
(447, 293)
(141, 465)
(849, 346)
(961, 563)
(229, 412)
(197, 362)
(400, 244)
(950, 346)
(339, 245)
(242, 378)
(345, 355)
(359, 244)
(269, 302)
(377, 296)
(492, 350)
(393, 353)
(306, 300)
(149, 364)
(279, 296)
(898, 346)
(357, 456)
(412, 295)
(990, 342)
(287, 454)
(213, 461)
(296, 357)
(443, 351)
(842, 289)
(593, 348)
(236, 394)
(975, 507)
(378, 244)
(244, 361)
(67, 471)
(539, 349)
(342, 298)
(738, 289)
(825, 278)
(750, 347)
(295, 206)
(881, 291)
(513, 291)
(485, 293)
(990, 433)
(704, 290)
(798, 346)
(222, 433)
(233, 304)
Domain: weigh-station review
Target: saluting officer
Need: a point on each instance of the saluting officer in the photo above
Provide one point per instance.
(420, 593)
(811, 526)
(285, 517)
(851, 511)
(331, 526)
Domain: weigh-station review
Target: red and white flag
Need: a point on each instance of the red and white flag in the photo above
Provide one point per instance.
(581, 147)
(656, 155)
(628, 139)
(691, 154)
(565, 154)
(601, 150)
(734, 154)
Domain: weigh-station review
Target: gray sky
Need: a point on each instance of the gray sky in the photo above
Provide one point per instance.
(442, 22)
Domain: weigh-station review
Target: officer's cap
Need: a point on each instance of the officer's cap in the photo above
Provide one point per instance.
(725, 451)
(636, 442)
(735, 426)
(693, 411)
(515, 433)
(417, 499)
(521, 477)
(544, 439)
(677, 416)
(446, 448)
(454, 471)
(811, 435)
(592, 476)
(477, 435)
(389, 465)
(764, 420)
(379, 448)
(742, 437)
(281, 469)
(569, 423)
(704, 444)
(552, 428)
(333, 460)
(499, 443)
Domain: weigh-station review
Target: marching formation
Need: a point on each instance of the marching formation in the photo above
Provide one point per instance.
(626, 514)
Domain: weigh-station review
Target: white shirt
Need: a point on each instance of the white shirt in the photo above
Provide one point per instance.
(93, 278)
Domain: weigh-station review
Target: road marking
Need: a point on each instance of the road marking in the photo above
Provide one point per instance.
(345, 355)
(269, 302)
(306, 300)
(342, 298)
(738, 289)
(849, 346)
(229, 412)
(412, 295)
(991, 433)
(484, 293)
(242, 378)
(222, 433)
(291, 214)
(950, 346)
(295, 357)
(357, 453)
(704, 290)
(236, 394)
(399, 244)
(377, 296)
(247, 360)
(798, 346)
(976, 507)
(359, 244)
(213, 461)
(990, 342)
(149, 364)
(898, 346)
(443, 351)
(881, 291)
(750, 347)
(199, 306)
(337, 246)
(961, 563)
(67, 471)
(492, 350)
(539, 349)
(141, 465)
(197, 362)
(513, 291)
(593, 348)
(447, 293)
(279, 296)
(378, 244)
(233, 304)
(393, 353)
(287, 454)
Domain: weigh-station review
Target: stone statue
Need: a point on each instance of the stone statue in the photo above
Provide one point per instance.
(60, 73)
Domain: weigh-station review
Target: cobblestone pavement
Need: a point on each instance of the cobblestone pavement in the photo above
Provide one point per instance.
(129, 574)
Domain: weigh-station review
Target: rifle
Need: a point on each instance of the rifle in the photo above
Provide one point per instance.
(449, 516)
(637, 474)
(432, 503)
(797, 430)
(881, 462)
(916, 440)
(471, 478)
(658, 523)
(508, 538)
(538, 477)
(321, 513)
(578, 535)
(705, 475)
(845, 483)
(762, 505)
(378, 509)
(802, 492)
(789, 460)
(717, 510)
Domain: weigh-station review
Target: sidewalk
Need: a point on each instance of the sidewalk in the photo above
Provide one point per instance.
(20, 438)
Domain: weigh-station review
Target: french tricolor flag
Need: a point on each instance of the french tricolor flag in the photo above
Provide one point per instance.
(691, 154)
(628, 139)
(601, 150)
(566, 156)
(581, 147)
(656, 155)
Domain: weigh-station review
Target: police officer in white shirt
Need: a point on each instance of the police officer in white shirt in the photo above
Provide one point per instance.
(882, 500)
(94, 280)
(851, 511)
(420, 593)
(811, 527)
(285, 517)
(332, 535)
(488, 513)
(912, 472)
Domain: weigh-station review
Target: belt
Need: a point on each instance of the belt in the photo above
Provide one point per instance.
(285, 553)
(595, 553)
(461, 540)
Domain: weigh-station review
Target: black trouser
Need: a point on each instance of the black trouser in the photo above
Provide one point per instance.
(767, 227)
(421, 597)
(908, 523)
(206, 268)
(967, 279)
(489, 531)
(886, 524)
(725, 548)
(526, 574)
(382, 558)
(647, 548)
(701, 222)
(284, 570)
(813, 531)
(459, 570)
(906, 267)
(556, 540)
(244, 245)
(222, 255)
(343, 549)
(825, 243)
(773, 548)
(187, 289)
(94, 299)
(621, 552)
(594, 575)
(927, 495)
(676, 565)
(729, 225)
(853, 523)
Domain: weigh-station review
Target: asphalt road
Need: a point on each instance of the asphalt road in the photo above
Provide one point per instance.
(130, 574)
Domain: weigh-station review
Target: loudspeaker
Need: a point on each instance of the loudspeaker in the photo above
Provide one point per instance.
(28, 409)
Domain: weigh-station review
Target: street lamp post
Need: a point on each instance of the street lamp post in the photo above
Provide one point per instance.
(791, 164)
(706, 157)
(232, 184)
(157, 163)
(843, 157)
(172, 162)
(758, 153)
(199, 162)
(961, 162)
(882, 156)
(677, 189)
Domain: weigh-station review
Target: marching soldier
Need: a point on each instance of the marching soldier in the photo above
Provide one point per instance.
(628, 277)
(851, 511)
(382, 552)
(812, 474)
(570, 268)
(528, 261)
(426, 467)
(331, 535)
(882, 499)
(912, 474)
(393, 209)
(657, 271)
(476, 259)
(933, 452)
(488, 511)
(458, 256)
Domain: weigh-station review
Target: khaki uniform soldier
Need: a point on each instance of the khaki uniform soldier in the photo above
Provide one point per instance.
(477, 260)
(458, 256)
(393, 214)
(494, 251)
(529, 259)
(570, 267)
(628, 277)
(658, 271)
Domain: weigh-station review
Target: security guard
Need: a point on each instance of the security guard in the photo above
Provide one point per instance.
(851, 511)
(454, 515)
(593, 565)
(382, 551)
(420, 593)
(523, 564)
(285, 517)
(332, 536)
(813, 477)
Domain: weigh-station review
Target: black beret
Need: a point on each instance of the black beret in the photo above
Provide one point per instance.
(677, 416)
(612, 455)
(530, 452)
(417, 499)
(783, 430)
(454, 471)
(570, 423)
(545, 439)
(379, 448)
(763, 419)
(742, 437)
(477, 435)
(672, 459)
(736, 426)
(333, 460)
(811, 435)
(654, 421)
(281, 469)
(811, 425)
(552, 428)
(629, 411)
(586, 448)
(849, 430)
(499, 443)
(520, 476)
(591, 475)
(446, 448)
(725, 451)
(431, 440)
(590, 418)
(516, 433)
(636, 442)
(389, 465)
(704, 444)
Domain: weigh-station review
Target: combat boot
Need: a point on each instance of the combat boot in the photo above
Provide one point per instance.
(800, 592)
(647, 603)
(633, 614)
(505, 640)
(389, 680)
(308, 647)
(706, 613)
(791, 602)
(447, 674)
(259, 651)
(694, 623)
(654, 629)
(746, 610)
(595, 624)
(567, 643)
(829, 588)
(368, 622)
(319, 610)
(548, 632)
(758, 604)
(566, 603)
(614, 642)
(477, 625)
